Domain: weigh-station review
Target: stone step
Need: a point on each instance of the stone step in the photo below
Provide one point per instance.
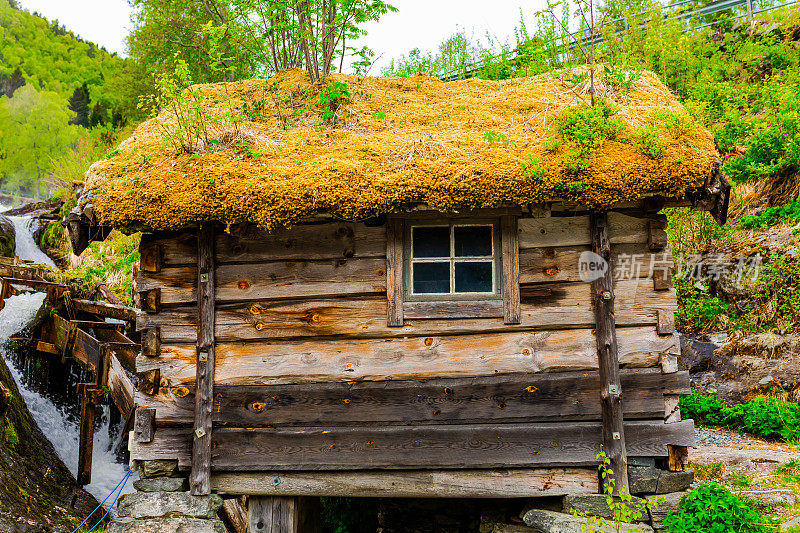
(552, 522)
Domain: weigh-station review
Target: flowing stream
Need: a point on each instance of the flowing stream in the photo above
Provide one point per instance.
(54, 418)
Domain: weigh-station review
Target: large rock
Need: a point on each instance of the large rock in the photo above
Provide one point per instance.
(158, 468)
(643, 479)
(166, 525)
(552, 522)
(596, 504)
(168, 504)
(8, 237)
(674, 481)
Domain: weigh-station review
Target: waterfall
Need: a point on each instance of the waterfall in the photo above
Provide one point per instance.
(51, 418)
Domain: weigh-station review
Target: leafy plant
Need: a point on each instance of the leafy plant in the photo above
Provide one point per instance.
(535, 169)
(698, 310)
(620, 503)
(648, 140)
(768, 417)
(714, 508)
(622, 75)
(187, 127)
(584, 129)
(774, 215)
(331, 99)
(494, 137)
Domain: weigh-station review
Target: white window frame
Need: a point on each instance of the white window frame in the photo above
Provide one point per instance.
(495, 260)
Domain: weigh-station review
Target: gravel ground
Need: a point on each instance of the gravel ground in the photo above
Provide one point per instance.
(722, 437)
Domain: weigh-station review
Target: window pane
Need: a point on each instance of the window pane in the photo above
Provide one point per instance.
(473, 241)
(431, 277)
(431, 242)
(474, 276)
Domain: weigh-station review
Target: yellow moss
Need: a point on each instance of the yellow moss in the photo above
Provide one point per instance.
(397, 142)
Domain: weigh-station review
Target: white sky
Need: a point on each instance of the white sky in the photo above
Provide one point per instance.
(418, 23)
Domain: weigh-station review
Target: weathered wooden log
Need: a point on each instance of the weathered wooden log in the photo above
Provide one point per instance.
(509, 236)
(564, 307)
(120, 312)
(567, 396)
(200, 478)
(413, 447)
(506, 483)
(256, 363)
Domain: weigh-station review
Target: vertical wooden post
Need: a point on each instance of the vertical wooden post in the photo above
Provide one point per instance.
(200, 478)
(394, 271)
(4, 292)
(86, 435)
(510, 247)
(607, 354)
(274, 514)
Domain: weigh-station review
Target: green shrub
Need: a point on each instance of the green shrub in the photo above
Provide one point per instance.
(774, 299)
(331, 99)
(712, 508)
(769, 417)
(585, 128)
(648, 141)
(698, 310)
(774, 215)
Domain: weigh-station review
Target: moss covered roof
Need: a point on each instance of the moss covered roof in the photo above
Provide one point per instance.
(272, 158)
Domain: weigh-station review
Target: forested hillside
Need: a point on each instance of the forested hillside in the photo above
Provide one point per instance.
(57, 92)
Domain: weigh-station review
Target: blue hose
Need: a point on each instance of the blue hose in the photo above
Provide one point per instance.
(120, 486)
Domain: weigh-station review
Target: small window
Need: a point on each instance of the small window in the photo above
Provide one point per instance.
(452, 260)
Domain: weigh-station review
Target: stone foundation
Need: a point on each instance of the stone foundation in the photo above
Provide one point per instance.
(164, 505)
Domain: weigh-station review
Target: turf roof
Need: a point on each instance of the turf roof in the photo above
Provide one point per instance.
(396, 142)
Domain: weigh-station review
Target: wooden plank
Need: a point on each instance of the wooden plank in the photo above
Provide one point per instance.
(120, 385)
(666, 322)
(234, 514)
(85, 438)
(456, 309)
(510, 262)
(394, 272)
(152, 257)
(86, 349)
(335, 240)
(271, 280)
(282, 514)
(265, 363)
(46, 347)
(151, 342)
(505, 483)
(91, 324)
(565, 306)
(493, 399)
(200, 477)
(120, 312)
(144, 425)
(560, 263)
(420, 447)
(574, 231)
(678, 457)
(607, 355)
(124, 348)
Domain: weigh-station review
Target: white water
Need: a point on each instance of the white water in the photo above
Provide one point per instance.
(62, 433)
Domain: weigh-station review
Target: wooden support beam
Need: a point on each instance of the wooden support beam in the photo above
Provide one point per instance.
(394, 271)
(144, 424)
(87, 324)
(86, 436)
(46, 347)
(502, 483)
(200, 478)
(151, 342)
(5, 287)
(613, 432)
(120, 312)
(278, 514)
(106, 293)
(510, 258)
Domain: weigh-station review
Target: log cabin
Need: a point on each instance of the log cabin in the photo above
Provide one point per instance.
(418, 289)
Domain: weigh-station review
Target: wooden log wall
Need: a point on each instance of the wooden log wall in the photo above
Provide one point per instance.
(309, 305)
